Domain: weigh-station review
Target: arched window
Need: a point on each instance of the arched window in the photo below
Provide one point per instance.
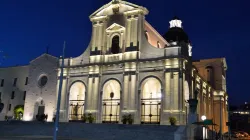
(158, 44)
(115, 48)
(146, 35)
(209, 74)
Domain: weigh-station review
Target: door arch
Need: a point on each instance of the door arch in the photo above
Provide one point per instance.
(39, 108)
(76, 101)
(111, 96)
(151, 101)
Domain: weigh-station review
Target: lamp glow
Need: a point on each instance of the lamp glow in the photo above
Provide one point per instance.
(203, 117)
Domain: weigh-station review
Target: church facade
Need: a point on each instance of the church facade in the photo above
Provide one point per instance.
(128, 68)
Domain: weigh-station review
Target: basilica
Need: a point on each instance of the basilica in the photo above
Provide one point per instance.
(127, 69)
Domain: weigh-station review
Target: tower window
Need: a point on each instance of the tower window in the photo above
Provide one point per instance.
(14, 83)
(24, 95)
(26, 81)
(115, 48)
(2, 82)
(13, 95)
(9, 107)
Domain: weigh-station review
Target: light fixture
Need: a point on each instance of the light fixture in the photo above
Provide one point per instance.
(203, 117)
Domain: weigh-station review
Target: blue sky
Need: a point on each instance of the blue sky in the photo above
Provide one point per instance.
(215, 28)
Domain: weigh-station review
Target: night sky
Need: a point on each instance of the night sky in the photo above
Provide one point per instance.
(216, 28)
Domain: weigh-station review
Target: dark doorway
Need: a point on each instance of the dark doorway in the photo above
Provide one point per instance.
(115, 48)
(41, 110)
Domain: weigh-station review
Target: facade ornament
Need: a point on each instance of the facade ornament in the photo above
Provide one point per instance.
(116, 8)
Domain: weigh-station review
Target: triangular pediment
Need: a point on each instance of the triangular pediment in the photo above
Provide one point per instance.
(45, 55)
(114, 27)
(116, 7)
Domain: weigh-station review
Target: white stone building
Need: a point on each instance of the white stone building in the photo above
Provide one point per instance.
(128, 68)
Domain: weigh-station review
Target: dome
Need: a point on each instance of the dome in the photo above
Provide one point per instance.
(176, 32)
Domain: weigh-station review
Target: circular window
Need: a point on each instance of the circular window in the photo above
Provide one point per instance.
(43, 81)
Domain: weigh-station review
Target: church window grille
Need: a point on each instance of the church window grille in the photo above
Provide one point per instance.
(111, 108)
(76, 109)
(150, 110)
(77, 102)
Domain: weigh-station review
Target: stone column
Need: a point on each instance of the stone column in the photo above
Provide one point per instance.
(63, 113)
(166, 99)
(128, 32)
(95, 97)
(181, 98)
(218, 114)
(125, 92)
(129, 103)
(93, 43)
(138, 114)
(201, 103)
(132, 100)
(88, 100)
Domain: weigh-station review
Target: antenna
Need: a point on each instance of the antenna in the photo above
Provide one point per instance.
(47, 49)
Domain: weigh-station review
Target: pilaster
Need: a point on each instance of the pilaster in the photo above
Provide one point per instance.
(130, 90)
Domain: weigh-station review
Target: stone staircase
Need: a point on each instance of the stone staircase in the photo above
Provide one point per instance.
(84, 131)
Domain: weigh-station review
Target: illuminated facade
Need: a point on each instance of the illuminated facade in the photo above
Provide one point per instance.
(128, 68)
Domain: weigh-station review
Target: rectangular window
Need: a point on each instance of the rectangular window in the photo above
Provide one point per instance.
(2, 82)
(9, 107)
(26, 81)
(15, 80)
(13, 95)
(24, 95)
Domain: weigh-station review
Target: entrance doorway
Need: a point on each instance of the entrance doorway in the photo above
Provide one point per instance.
(111, 102)
(151, 101)
(41, 110)
(76, 101)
